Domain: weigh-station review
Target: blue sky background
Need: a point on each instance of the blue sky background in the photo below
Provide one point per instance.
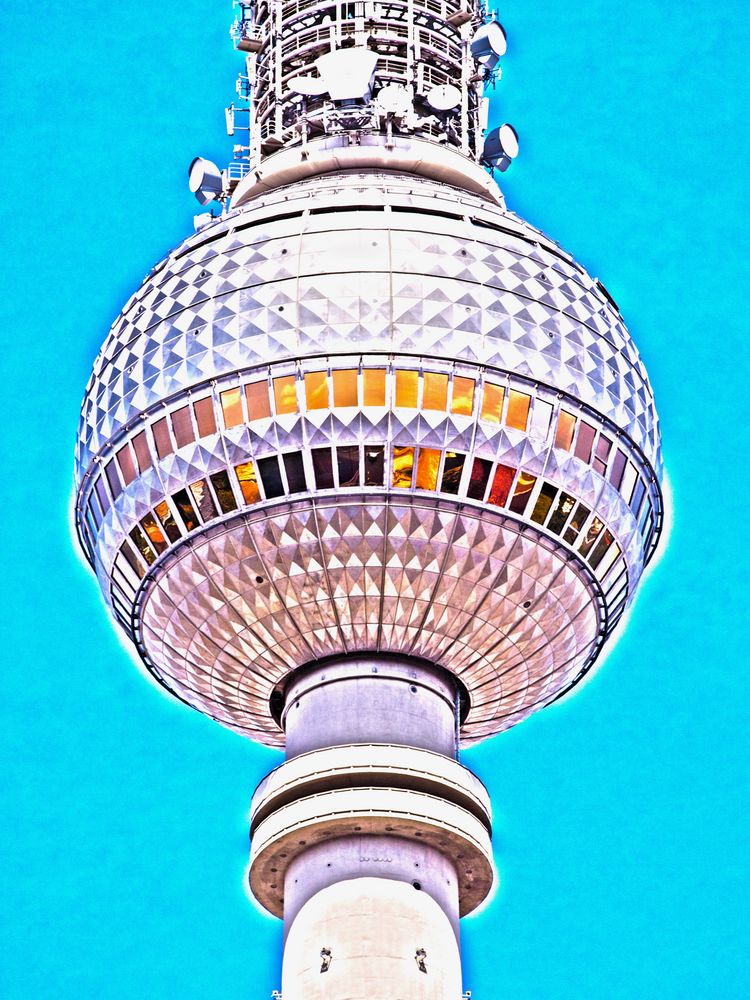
(621, 826)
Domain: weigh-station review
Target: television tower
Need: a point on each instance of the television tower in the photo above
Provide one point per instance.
(368, 468)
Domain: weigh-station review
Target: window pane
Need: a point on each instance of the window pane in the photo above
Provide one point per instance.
(323, 468)
(94, 514)
(501, 484)
(628, 482)
(185, 507)
(406, 389)
(540, 419)
(403, 466)
(435, 391)
(518, 410)
(270, 476)
(576, 523)
(126, 463)
(223, 490)
(522, 492)
(566, 426)
(231, 405)
(585, 442)
(113, 479)
(598, 554)
(374, 465)
(452, 469)
(142, 453)
(635, 503)
(134, 563)
(258, 405)
(601, 455)
(101, 494)
(563, 507)
(618, 468)
(492, 402)
(591, 536)
(427, 468)
(204, 415)
(248, 482)
(543, 503)
(345, 387)
(374, 379)
(168, 522)
(316, 390)
(295, 472)
(607, 560)
(203, 500)
(285, 394)
(182, 426)
(480, 476)
(463, 395)
(154, 533)
(348, 461)
(142, 546)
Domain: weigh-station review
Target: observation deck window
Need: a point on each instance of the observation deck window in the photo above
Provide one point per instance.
(258, 406)
(316, 391)
(601, 454)
(452, 470)
(113, 479)
(492, 402)
(543, 503)
(435, 391)
(628, 482)
(374, 465)
(294, 468)
(204, 416)
(345, 387)
(141, 544)
(403, 467)
(463, 395)
(605, 542)
(347, 459)
(142, 452)
(541, 419)
(162, 440)
(186, 510)
(428, 466)
(168, 523)
(248, 482)
(223, 490)
(285, 394)
(522, 492)
(501, 484)
(154, 533)
(561, 512)
(577, 521)
(585, 441)
(518, 410)
(323, 468)
(270, 477)
(593, 532)
(231, 405)
(101, 494)
(566, 427)
(127, 465)
(374, 386)
(618, 468)
(480, 477)
(407, 388)
(203, 500)
(182, 426)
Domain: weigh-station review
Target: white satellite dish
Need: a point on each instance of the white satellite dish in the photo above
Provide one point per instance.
(444, 98)
(489, 43)
(501, 147)
(348, 72)
(394, 99)
(308, 86)
(205, 180)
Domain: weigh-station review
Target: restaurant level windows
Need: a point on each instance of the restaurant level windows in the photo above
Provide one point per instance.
(492, 402)
(601, 454)
(428, 466)
(323, 468)
(134, 563)
(374, 386)
(541, 419)
(203, 500)
(127, 465)
(374, 465)
(407, 388)
(285, 395)
(113, 479)
(183, 504)
(316, 391)
(601, 548)
(543, 503)
(142, 452)
(501, 484)
(347, 458)
(223, 490)
(638, 494)
(270, 477)
(162, 439)
(522, 492)
(154, 533)
(518, 410)
(231, 406)
(168, 523)
(248, 482)
(258, 405)
(463, 395)
(561, 512)
(566, 427)
(101, 494)
(585, 441)
(204, 416)
(142, 545)
(182, 425)
(435, 391)
(591, 536)
(618, 469)
(294, 467)
(345, 387)
(606, 559)
(453, 466)
(403, 467)
(577, 521)
(94, 513)
(628, 482)
(480, 476)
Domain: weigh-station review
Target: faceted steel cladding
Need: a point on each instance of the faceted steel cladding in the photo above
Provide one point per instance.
(362, 413)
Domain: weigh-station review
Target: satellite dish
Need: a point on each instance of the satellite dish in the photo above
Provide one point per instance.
(489, 43)
(205, 180)
(308, 86)
(444, 98)
(501, 147)
(348, 72)
(394, 99)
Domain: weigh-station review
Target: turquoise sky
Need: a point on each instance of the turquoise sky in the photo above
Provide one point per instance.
(621, 826)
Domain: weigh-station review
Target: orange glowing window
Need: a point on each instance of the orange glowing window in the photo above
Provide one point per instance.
(427, 468)
(154, 532)
(258, 405)
(374, 386)
(139, 540)
(316, 390)
(463, 395)
(248, 482)
(518, 410)
(435, 391)
(285, 394)
(345, 387)
(501, 483)
(403, 466)
(231, 406)
(492, 402)
(566, 428)
(407, 387)
(168, 522)
(522, 492)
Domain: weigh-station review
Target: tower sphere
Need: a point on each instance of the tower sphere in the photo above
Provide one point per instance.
(359, 414)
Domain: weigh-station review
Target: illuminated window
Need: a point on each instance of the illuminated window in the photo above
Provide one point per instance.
(142, 546)
(374, 465)
(285, 394)
(168, 522)
(427, 468)
(223, 490)
(101, 494)
(618, 468)
(248, 482)
(203, 500)
(182, 426)
(231, 405)
(543, 503)
(127, 465)
(323, 468)
(492, 402)
(480, 476)
(134, 563)
(142, 453)
(585, 441)
(601, 454)
(518, 410)
(374, 386)
(258, 405)
(463, 395)
(407, 386)
(591, 536)
(501, 483)
(522, 492)
(601, 549)
(403, 467)
(560, 514)
(566, 426)
(452, 469)
(204, 415)
(270, 477)
(345, 387)
(348, 463)
(435, 391)
(577, 521)
(540, 419)
(154, 533)
(316, 390)
(295, 472)
(113, 479)
(184, 506)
